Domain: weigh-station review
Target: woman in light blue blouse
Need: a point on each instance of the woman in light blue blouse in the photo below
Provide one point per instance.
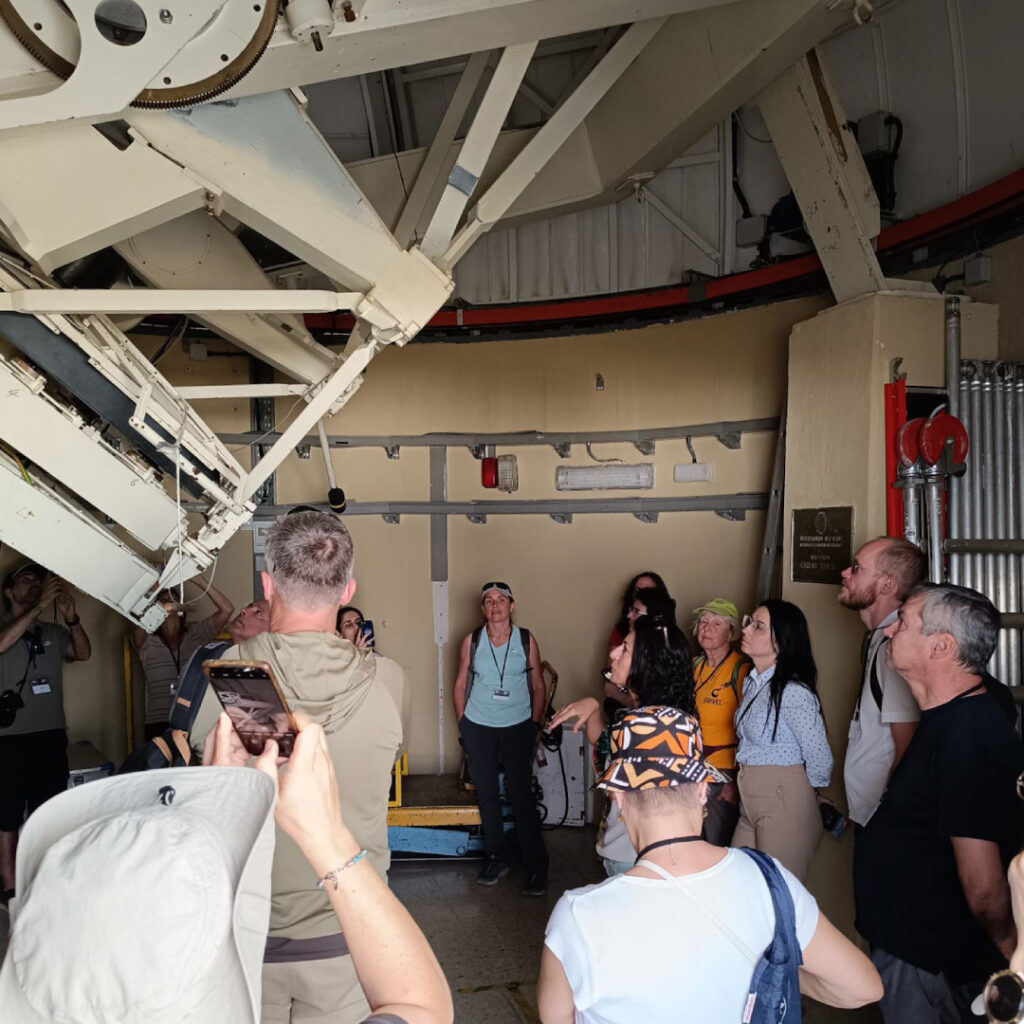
(783, 752)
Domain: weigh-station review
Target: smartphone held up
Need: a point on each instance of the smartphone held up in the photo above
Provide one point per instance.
(252, 697)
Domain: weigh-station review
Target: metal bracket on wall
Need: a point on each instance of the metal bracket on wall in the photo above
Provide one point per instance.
(646, 517)
(392, 518)
(478, 520)
(563, 451)
(303, 451)
(392, 450)
(734, 515)
(562, 517)
(731, 439)
(644, 447)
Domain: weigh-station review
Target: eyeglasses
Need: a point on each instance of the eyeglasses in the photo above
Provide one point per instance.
(759, 625)
(1003, 998)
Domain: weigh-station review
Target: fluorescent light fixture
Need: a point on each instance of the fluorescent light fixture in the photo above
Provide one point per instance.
(610, 477)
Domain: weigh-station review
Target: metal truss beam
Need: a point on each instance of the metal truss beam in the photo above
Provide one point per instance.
(398, 34)
(88, 556)
(67, 193)
(429, 184)
(479, 141)
(176, 300)
(198, 251)
(827, 173)
(495, 202)
(269, 167)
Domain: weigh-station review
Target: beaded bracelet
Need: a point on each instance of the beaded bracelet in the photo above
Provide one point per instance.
(332, 875)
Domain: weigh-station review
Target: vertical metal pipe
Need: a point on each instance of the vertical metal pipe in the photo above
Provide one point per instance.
(1018, 470)
(1013, 468)
(974, 474)
(960, 496)
(953, 517)
(988, 487)
(999, 499)
(953, 354)
(912, 512)
(933, 510)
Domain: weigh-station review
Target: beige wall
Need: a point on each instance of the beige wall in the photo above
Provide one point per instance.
(839, 362)
(567, 578)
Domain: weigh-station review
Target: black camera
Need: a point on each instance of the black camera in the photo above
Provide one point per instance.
(10, 704)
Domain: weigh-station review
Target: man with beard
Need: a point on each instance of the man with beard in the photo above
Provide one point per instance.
(883, 572)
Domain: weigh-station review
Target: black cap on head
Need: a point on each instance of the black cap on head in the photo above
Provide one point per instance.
(21, 569)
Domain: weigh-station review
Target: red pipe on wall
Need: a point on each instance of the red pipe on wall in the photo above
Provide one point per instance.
(895, 417)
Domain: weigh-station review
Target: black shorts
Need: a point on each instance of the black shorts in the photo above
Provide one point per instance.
(33, 767)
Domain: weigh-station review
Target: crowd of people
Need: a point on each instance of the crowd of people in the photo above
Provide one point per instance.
(714, 757)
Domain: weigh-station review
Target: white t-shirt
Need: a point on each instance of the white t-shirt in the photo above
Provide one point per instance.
(870, 752)
(638, 949)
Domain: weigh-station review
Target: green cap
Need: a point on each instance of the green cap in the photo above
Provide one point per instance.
(719, 606)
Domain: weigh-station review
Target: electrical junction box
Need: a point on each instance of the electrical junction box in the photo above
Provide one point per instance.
(977, 270)
(691, 472)
(751, 231)
(873, 134)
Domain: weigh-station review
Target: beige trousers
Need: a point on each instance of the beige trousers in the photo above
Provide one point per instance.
(325, 991)
(779, 814)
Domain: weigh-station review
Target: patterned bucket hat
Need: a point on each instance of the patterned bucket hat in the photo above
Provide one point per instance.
(657, 747)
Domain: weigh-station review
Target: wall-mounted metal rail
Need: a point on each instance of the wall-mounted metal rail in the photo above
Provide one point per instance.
(727, 432)
(729, 506)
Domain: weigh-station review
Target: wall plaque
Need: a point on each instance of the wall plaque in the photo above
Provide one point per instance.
(822, 544)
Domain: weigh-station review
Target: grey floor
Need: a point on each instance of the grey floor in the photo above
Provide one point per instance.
(489, 939)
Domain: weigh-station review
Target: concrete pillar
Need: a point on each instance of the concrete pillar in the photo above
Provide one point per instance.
(839, 362)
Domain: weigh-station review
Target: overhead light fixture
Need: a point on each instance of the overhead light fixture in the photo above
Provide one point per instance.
(605, 477)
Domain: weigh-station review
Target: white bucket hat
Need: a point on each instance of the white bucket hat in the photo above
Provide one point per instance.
(143, 899)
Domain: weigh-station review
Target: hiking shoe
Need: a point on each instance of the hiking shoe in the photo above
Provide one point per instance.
(536, 883)
(494, 870)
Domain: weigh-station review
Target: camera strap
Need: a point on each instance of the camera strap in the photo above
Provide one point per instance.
(31, 639)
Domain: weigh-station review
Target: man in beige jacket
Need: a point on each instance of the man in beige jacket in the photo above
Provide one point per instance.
(307, 973)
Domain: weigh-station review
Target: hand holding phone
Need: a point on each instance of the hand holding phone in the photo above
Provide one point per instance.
(252, 697)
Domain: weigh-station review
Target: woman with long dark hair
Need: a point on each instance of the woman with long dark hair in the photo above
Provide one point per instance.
(783, 751)
(652, 666)
(653, 585)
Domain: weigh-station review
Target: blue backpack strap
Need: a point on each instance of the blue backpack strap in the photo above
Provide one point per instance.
(192, 686)
(775, 985)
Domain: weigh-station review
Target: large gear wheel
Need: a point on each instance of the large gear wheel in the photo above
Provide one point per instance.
(221, 54)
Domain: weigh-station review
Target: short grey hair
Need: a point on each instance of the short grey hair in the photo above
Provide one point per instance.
(970, 618)
(656, 801)
(309, 556)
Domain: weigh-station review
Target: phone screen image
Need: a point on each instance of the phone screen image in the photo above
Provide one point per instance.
(366, 628)
(249, 694)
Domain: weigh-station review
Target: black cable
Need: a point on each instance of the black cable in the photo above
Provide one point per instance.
(736, 187)
(555, 746)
